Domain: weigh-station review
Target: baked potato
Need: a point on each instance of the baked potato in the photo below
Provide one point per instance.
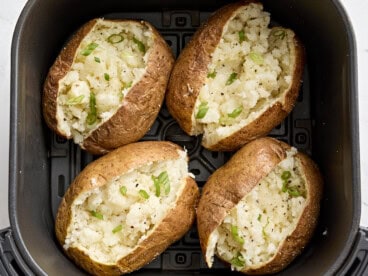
(260, 209)
(107, 85)
(237, 78)
(127, 207)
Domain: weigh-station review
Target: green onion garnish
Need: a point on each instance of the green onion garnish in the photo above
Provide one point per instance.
(294, 192)
(235, 234)
(231, 78)
(127, 85)
(143, 194)
(75, 100)
(89, 49)
(92, 113)
(97, 59)
(117, 229)
(264, 232)
(257, 58)
(238, 260)
(115, 38)
(107, 76)
(284, 187)
(202, 110)
(280, 34)
(285, 175)
(157, 186)
(241, 36)
(236, 112)
(97, 215)
(264, 229)
(123, 190)
(212, 75)
(140, 45)
(259, 217)
(161, 180)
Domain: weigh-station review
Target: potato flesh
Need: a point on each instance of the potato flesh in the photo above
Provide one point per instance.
(108, 71)
(137, 215)
(264, 218)
(263, 60)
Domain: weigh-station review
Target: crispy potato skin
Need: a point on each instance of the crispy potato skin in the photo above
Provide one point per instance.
(190, 72)
(140, 108)
(58, 71)
(190, 69)
(176, 223)
(230, 183)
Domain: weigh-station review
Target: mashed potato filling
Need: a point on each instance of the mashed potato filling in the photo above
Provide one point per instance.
(251, 70)
(252, 232)
(110, 221)
(110, 59)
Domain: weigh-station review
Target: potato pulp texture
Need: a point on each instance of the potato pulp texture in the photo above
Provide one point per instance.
(108, 62)
(110, 221)
(251, 70)
(253, 231)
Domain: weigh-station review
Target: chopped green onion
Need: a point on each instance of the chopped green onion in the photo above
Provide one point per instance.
(238, 260)
(89, 49)
(123, 190)
(121, 96)
(117, 229)
(236, 112)
(293, 191)
(143, 194)
(92, 114)
(231, 78)
(161, 180)
(97, 215)
(140, 45)
(202, 110)
(97, 59)
(75, 100)
(280, 34)
(264, 232)
(115, 38)
(212, 75)
(242, 36)
(284, 187)
(235, 234)
(107, 76)
(257, 58)
(259, 217)
(127, 85)
(285, 175)
(264, 229)
(157, 186)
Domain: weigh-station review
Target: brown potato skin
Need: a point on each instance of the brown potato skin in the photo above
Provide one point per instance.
(190, 73)
(140, 107)
(176, 223)
(190, 69)
(230, 183)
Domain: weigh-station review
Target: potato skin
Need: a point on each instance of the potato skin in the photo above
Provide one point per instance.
(230, 183)
(141, 106)
(176, 223)
(190, 69)
(190, 73)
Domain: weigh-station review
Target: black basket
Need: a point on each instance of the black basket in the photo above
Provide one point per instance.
(323, 124)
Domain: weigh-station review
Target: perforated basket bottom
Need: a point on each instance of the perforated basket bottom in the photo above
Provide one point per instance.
(67, 160)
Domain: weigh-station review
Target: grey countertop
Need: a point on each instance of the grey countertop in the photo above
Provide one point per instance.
(10, 10)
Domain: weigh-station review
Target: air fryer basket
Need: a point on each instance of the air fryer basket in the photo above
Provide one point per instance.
(323, 125)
